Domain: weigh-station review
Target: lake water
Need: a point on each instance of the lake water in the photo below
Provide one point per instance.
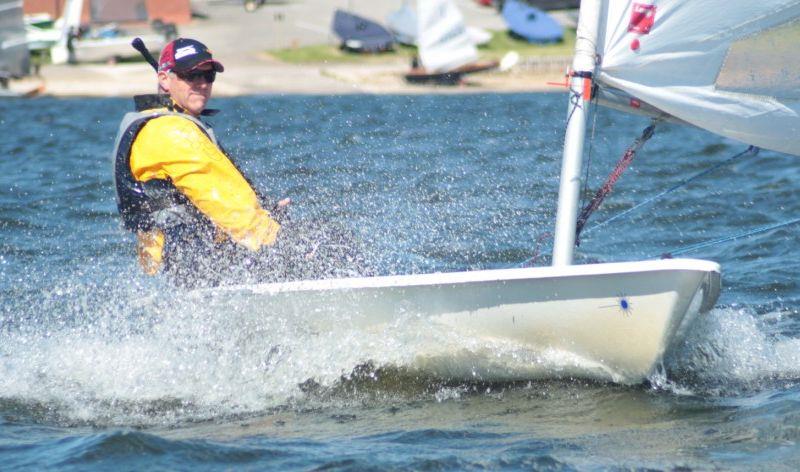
(104, 368)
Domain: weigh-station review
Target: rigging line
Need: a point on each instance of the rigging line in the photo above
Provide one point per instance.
(750, 150)
(575, 101)
(726, 239)
(576, 97)
(611, 180)
(595, 111)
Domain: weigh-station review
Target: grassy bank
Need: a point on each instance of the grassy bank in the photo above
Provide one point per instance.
(500, 44)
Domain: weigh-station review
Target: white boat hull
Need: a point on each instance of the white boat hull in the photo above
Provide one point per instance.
(618, 318)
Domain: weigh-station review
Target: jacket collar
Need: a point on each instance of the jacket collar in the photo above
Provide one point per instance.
(160, 100)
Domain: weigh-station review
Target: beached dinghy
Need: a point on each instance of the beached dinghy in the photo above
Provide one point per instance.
(403, 24)
(530, 23)
(359, 34)
(447, 51)
(725, 72)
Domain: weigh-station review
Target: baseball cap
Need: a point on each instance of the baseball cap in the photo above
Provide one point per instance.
(183, 55)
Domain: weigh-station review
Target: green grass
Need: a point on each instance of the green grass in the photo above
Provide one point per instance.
(500, 44)
(323, 53)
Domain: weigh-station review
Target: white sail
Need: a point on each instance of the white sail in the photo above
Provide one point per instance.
(729, 66)
(444, 43)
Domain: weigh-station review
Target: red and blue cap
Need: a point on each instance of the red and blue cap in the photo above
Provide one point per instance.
(184, 55)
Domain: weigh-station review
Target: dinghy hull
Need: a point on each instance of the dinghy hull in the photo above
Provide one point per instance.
(617, 320)
(453, 77)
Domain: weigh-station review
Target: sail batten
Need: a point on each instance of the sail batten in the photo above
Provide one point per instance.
(731, 67)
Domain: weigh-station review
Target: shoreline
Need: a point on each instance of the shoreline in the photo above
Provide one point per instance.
(265, 76)
(242, 42)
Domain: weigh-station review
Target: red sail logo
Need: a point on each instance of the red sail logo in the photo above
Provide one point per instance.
(642, 18)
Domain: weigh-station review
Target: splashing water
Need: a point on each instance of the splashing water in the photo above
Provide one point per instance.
(206, 354)
(463, 183)
(730, 351)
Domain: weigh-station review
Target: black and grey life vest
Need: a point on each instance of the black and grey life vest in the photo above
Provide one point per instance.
(155, 203)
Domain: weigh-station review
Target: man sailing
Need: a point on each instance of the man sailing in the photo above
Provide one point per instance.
(196, 217)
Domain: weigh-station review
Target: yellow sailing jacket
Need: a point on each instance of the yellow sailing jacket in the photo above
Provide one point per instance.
(174, 148)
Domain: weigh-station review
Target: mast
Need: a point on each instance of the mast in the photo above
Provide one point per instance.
(583, 66)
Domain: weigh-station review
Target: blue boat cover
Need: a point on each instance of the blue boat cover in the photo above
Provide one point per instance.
(530, 23)
(361, 34)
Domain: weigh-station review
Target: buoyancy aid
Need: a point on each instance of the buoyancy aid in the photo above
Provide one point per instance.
(170, 228)
(144, 206)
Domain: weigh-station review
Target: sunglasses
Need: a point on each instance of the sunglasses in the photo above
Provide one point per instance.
(195, 76)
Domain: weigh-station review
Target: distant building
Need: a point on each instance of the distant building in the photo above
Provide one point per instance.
(100, 11)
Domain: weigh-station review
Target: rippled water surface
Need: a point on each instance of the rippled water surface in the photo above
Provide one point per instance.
(102, 367)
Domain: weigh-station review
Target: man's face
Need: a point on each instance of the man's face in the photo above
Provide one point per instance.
(190, 90)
